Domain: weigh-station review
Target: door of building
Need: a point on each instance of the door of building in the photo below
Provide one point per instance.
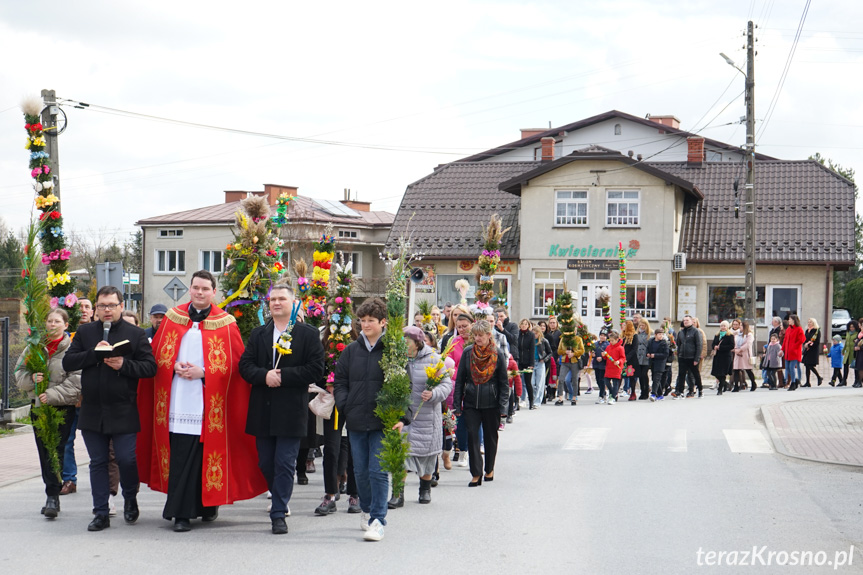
(588, 299)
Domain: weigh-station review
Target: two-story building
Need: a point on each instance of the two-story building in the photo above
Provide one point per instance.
(676, 220)
(180, 243)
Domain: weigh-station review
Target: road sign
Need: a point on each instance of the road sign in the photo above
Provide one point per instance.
(176, 289)
(131, 279)
(111, 274)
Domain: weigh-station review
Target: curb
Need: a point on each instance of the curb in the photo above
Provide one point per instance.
(780, 446)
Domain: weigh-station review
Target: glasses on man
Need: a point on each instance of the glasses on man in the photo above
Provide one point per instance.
(104, 306)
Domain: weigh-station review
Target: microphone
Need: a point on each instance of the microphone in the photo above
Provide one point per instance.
(106, 327)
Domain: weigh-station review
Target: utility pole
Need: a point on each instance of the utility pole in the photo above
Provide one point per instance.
(751, 294)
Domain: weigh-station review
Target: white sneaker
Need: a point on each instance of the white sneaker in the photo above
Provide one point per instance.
(375, 531)
(600, 401)
(269, 495)
(611, 401)
(364, 521)
(112, 509)
(462, 459)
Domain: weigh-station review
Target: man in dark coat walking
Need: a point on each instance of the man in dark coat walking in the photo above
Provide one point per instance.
(279, 402)
(508, 329)
(109, 388)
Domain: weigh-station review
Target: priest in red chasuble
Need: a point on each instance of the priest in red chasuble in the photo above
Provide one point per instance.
(192, 443)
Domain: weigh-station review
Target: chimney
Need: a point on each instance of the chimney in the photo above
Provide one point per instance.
(695, 152)
(358, 205)
(530, 132)
(670, 121)
(234, 196)
(273, 191)
(547, 149)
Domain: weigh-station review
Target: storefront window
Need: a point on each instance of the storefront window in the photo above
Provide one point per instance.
(641, 294)
(547, 285)
(729, 302)
(446, 291)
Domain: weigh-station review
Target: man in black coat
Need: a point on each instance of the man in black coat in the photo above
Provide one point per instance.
(279, 401)
(688, 355)
(109, 408)
(508, 329)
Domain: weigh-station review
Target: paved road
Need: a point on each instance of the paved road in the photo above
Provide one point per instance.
(629, 488)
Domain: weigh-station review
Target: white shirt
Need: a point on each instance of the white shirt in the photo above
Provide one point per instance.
(187, 395)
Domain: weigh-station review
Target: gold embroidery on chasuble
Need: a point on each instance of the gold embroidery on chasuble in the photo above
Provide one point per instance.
(214, 472)
(169, 349)
(161, 407)
(164, 462)
(216, 416)
(217, 357)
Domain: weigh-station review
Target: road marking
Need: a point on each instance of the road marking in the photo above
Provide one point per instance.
(587, 439)
(678, 442)
(747, 441)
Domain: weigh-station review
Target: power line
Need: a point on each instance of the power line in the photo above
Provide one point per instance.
(784, 75)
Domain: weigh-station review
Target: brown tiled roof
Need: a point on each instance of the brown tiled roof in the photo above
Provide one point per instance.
(804, 213)
(305, 209)
(453, 203)
(553, 132)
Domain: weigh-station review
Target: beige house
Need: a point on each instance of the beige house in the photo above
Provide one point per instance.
(178, 244)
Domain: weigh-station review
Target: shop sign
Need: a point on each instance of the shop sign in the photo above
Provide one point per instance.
(592, 265)
(466, 265)
(589, 251)
(504, 267)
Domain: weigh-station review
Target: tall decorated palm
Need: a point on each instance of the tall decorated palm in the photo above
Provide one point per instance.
(316, 303)
(254, 262)
(341, 320)
(393, 399)
(565, 318)
(488, 262)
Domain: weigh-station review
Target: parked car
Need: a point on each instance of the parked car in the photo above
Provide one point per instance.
(840, 320)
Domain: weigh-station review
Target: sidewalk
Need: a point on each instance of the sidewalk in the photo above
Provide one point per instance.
(19, 460)
(828, 430)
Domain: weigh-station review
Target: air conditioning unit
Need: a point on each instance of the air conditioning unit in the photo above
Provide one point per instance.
(679, 263)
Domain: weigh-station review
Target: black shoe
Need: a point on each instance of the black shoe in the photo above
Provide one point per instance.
(807, 384)
(99, 523)
(435, 478)
(52, 507)
(130, 510)
(509, 419)
(573, 402)
(476, 483)
(425, 491)
(211, 516)
(820, 381)
(326, 507)
(280, 526)
(182, 525)
(396, 501)
(700, 393)
(302, 479)
(857, 385)
(310, 466)
(832, 383)
(753, 388)
(533, 407)
(318, 452)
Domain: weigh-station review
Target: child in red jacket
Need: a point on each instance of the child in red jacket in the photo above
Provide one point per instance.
(615, 358)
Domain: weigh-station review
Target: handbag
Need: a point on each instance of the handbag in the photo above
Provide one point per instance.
(322, 403)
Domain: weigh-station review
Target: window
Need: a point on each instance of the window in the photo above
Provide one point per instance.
(641, 294)
(622, 208)
(570, 208)
(351, 234)
(171, 261)
(547, 285)
(729, 302)
(212, 261)
(354, 260)
(170, 233)
(617, 129)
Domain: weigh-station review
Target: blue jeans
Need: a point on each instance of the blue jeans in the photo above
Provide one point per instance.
(124, 452)
(277, 460)
(372, 481)
(792, 370)
(538, 382)
(70, 466)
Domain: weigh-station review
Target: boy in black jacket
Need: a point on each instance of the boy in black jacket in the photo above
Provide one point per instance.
(657, 352)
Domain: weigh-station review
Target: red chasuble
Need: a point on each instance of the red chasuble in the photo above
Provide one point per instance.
(230, 470)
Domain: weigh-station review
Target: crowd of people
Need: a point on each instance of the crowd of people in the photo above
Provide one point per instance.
(194, 412)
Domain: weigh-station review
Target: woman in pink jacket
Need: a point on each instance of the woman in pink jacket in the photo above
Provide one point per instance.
(743, 358)
(792, 348)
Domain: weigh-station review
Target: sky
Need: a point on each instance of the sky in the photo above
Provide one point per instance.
(386, 91)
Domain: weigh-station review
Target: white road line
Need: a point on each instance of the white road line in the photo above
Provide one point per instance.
(747, 441)
(587, 439)
(678, 442)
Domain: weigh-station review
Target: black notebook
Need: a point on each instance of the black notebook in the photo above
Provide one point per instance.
(116, 350)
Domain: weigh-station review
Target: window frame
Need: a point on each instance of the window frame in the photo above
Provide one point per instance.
(211, 252)
(636, 281)
(555, 284)
(609, 201)
(760, 290)
(356, 259)
(165, 233)
(156, 262)
(572, 201)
